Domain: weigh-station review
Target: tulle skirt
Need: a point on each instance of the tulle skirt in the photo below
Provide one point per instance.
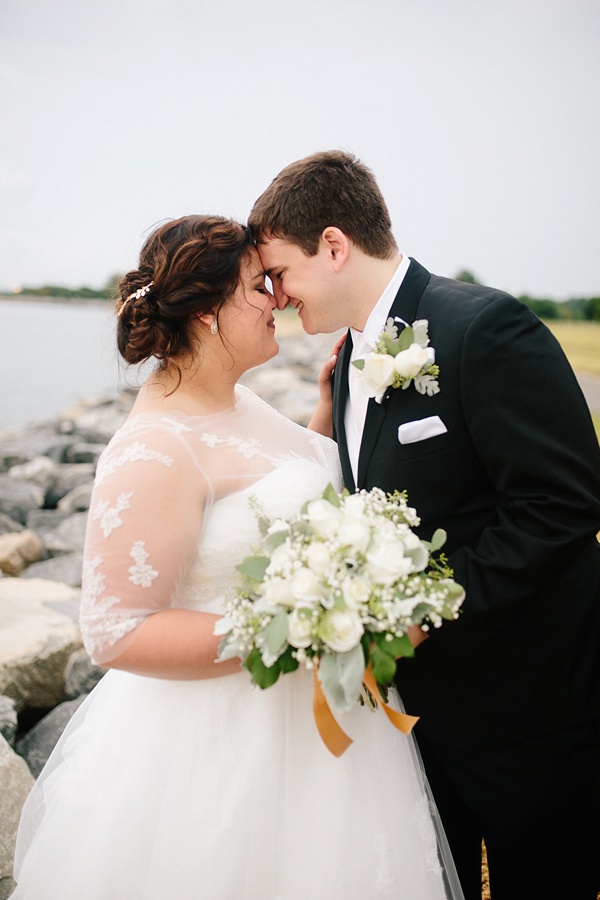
(216, 790)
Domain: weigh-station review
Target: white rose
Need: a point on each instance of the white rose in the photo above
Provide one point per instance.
(323, 517)
(377, 374)
(278, 591)
(305, 586)
(341, 630)
(277, 526)
(413, 548)
(386, 561)
(318, 558)
(356, 590)
(409, 363)
(355, 534)
(281, 559)
(354, 504)
(300, 628)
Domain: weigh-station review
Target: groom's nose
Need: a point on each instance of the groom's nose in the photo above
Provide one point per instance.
(281, 298)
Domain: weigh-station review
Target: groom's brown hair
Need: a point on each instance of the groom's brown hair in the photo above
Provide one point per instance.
(329, 188)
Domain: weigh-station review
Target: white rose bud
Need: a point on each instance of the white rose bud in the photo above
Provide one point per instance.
(355, 534)
(299, 629)
(281, 559)
(278, 591)
(341, 630)
(409, 363)
(377, 374)
(386, 561)
(323, 517)
(318, 558)
(306, 587)
(356, 590)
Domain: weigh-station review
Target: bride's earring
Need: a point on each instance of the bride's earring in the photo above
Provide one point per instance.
(214, 327)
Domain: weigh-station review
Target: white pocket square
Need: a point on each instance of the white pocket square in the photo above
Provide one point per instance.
(420, 430)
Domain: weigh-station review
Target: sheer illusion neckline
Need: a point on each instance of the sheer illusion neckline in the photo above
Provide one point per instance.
(241, 394)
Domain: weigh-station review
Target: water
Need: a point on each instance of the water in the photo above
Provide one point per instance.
(54, 354)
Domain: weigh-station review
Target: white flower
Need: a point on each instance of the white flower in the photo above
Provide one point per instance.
(356, 534)
(278, 526)
(278, 591)
(341, 630)
(409, 363)
(300, 628)
(420, 332)
(305, 586)
(323, 517)
(386, 561)
(377, 374)
(318, 558)
(354, 504)
(282, 558)
(413, 548)
(356, 590)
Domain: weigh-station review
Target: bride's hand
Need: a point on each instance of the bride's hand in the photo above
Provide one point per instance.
(322, 420)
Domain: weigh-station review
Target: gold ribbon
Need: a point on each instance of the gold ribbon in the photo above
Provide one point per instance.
(332, 734)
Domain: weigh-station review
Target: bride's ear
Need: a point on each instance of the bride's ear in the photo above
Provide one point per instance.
(336, 245)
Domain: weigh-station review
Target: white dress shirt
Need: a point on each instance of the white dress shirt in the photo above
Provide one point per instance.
(362, 343)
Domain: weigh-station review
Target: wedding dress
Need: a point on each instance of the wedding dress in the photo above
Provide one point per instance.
(213, 789)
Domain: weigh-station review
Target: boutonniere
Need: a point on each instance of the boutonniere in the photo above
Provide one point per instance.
(397, 361)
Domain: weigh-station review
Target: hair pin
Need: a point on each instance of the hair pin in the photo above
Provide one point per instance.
(137, 295)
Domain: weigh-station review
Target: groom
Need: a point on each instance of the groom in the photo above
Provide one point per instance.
(505, 459)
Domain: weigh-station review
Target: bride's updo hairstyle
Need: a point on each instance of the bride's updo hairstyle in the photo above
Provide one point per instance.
(188, 267)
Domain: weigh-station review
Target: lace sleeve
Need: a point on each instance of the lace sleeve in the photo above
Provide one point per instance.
(143, 529)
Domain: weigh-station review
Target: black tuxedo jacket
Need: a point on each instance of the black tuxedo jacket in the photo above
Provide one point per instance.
(515, 482)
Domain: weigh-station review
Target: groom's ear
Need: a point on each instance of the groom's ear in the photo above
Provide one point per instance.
(335, 243)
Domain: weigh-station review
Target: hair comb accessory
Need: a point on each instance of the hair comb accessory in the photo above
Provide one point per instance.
(137, 295)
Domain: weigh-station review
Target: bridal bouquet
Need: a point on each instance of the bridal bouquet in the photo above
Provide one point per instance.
(335, 588)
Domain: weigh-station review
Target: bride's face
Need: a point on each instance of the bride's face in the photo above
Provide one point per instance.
(246, 320)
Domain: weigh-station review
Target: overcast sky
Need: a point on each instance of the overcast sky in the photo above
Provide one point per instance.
(480, 119)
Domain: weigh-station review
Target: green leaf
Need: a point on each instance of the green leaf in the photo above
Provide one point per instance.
(407, 337)
(276, 633)
(330, 494)
(341, 676)
(254, 567)
(438, 540)
(400, 646)
(391, 346)
(263, 676)
(359, 363)
(274, 540)
(384, 665)
(287, 662)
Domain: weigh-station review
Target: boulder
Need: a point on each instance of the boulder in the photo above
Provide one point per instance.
(76, 500)
(68, 477)
(82, 452)
(40, 470)
(18, 550)
(8, 525)
(40, 741)
(18, 497)
(66, 569)
(15, 783)
(36, 641)
(63, 534)
(8, 719)
(81, 675)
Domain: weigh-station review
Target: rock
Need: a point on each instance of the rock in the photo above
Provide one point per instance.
(15, 783)
(20, 445)
(64, 534)
(8, 719)
(40, 470)
(66, 569)
(8, 525)
(68, 477)
(18, 497)
(36, 641)
(40, 741)
(84, 453)
(18, 550)
(81, 675)
(76, 500)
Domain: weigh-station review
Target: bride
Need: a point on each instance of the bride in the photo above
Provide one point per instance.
(176, 778)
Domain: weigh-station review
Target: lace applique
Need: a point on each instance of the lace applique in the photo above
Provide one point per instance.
(178, 427)
(141, 573)
(109, 515)
(135, 453)
(101, 626)
(385, 880)
(248, 448)
(211, 440)
(426, 831)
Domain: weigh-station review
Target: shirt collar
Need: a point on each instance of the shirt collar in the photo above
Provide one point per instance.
(379, 314)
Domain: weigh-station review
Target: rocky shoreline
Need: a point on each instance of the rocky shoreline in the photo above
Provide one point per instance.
(46, 474)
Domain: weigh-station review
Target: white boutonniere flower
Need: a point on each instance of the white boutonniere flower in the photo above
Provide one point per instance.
(397, 361)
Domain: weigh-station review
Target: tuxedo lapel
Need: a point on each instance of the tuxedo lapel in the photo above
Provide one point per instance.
(405, 306)
(340, 398)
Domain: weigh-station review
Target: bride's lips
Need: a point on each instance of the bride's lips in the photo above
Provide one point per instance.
(271, 323)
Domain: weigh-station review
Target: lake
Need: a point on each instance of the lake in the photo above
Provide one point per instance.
(54, 354)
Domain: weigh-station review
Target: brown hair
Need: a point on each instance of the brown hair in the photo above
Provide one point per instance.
(193, 265)
(329, 188)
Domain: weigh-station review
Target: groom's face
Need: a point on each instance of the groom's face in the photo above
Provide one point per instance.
(304, 282)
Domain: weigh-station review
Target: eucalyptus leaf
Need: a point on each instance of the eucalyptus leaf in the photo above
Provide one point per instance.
(399, 646)
(276, 633)
(359, 364)
(407, 337)
(254, 567)
(438, 540)
(392, 346)
(274, 540)
(341, 676)
(330, 494)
